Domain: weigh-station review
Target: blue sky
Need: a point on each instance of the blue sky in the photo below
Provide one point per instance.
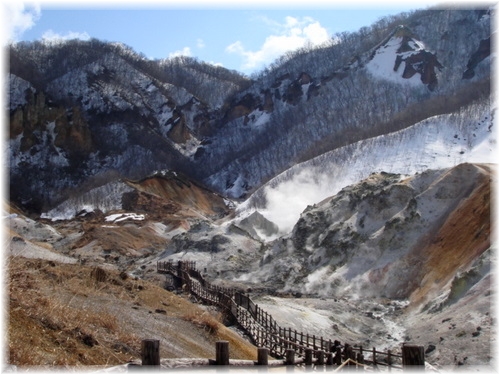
(246, 37)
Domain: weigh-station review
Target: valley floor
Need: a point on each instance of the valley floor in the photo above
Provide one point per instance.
(453, 340)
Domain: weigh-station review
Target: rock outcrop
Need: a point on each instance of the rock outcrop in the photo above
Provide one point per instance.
(388, 235)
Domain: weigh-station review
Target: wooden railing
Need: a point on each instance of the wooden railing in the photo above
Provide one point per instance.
(265, 331)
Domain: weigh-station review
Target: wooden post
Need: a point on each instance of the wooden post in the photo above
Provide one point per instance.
(150, 352)
(262, 356)
(222, 353)
(338, 356)
(413, 357)
(389, 360)
(360, 359)
(321, 358)
(308, 360)
(349, 353)
(329, 359)
(290, 357)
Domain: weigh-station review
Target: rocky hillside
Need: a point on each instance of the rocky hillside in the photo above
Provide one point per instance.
(390, 259)
(429, 226)
(363, 240)
(63, 317)
(163, 194)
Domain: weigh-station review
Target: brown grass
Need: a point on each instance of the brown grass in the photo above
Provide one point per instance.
(204, 320)
(60, 315)
(45, 330)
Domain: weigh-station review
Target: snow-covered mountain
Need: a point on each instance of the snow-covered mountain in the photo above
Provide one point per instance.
(83, 114)
(360, 88)
(439, 142)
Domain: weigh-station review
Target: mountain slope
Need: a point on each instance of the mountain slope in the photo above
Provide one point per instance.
(468, 135)
(160, 195)
(367, 167)
(330, 102)
(364, 238)
(351, 249)
(62, 318)
(87, 112)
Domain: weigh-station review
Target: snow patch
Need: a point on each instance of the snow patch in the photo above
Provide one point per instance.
(262, 119)
(189, 148)
(104, 198)
(116, 218)
(382, 64)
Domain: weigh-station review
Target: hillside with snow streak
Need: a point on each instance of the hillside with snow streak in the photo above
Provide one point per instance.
(438, 142)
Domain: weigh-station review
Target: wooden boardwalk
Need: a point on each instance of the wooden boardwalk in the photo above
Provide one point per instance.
(266, 333)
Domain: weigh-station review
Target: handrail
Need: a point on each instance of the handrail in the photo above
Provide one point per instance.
(261, 326)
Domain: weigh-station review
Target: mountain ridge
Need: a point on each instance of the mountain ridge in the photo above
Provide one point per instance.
(140, 115)
(348, 186)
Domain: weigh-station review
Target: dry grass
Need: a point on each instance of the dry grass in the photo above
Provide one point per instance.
(60, 315)
(45, 330)
(204, 320)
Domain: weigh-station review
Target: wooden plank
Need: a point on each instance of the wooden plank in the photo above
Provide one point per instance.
(389, 359)
(329, 359)
(321, 358)
(338, 356)
(360, 359)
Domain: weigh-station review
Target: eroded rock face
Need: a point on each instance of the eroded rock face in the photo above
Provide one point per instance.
(425, 63)
(414, 57)
(256, 223)
(482, 52)
(243, 107)
(70, 130)
(171, 193)
(296, 90)
(387, 236)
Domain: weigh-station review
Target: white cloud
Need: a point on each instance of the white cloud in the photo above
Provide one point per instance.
(186, 51)
(17, 17)
(52, 37)
(215, 63)
(293, 34)
(200, 43)
(315, 33)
